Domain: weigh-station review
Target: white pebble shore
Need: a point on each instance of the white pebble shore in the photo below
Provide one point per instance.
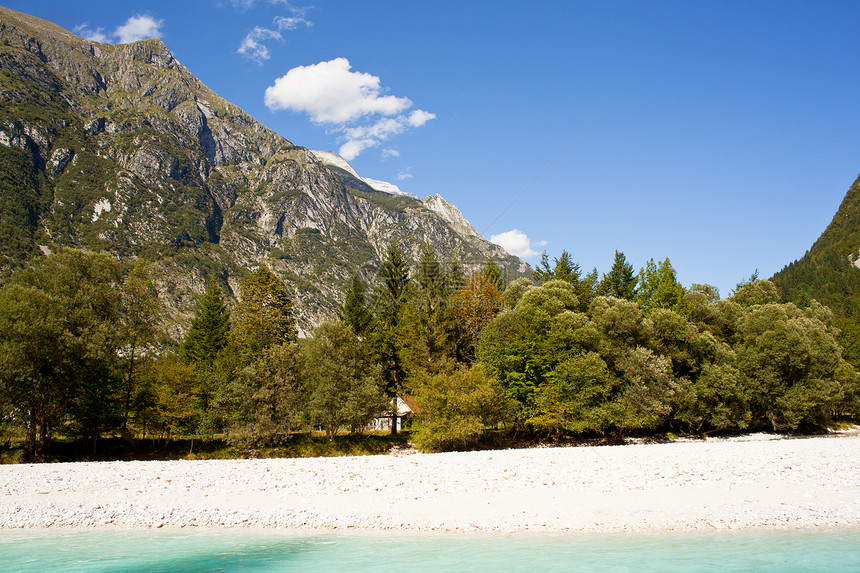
(756, 481)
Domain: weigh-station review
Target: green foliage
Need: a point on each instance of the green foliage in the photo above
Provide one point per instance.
(60, 335)
(621, 280)
(209, 330)
(659, 288)
(388, 302)
(264, 315)
(494, 274)
(477, 302)
(579, 396)
(269, 399)
(789, 360)
(543, 272)
(169, 402)
(515, 291)
(344, 387)
(356, 312)
(715, 400)
(428, 334)
(21, 195)
(141, 314)
(455, 406)
(755, 292)
(515, 345)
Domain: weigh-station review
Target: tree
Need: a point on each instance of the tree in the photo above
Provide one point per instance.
(455, 406)
(427, 331)
(563, 269)
(172, 396)
(620, 282)
(264, 315)
(344, 387)
(659, 288)
(207, 349)
(566, 269)
(208, 333)
(755, 292)
(543, 272)
(141, 312)
(516, 347)
(789, 363)
(356, 312)
(60, 335)
(478, 302)
(394, 273)
(269, 398)
(494, 274)
(578, 396)
(389, 300)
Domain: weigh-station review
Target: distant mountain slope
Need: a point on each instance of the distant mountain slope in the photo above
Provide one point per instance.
(121, 148)
(830, 272)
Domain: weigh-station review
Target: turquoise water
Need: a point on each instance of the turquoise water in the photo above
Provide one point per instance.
(268, 550)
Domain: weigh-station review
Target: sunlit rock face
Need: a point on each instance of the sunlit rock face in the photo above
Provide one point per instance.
(121, 148)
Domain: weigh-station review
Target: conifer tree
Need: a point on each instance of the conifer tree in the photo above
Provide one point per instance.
(620, 282)
(141, 311)
(659, 288)
(494, 274)
(566, 269)
(389, 299)
(543, 272)
(355, 311)
(209, 328)
(264, 315)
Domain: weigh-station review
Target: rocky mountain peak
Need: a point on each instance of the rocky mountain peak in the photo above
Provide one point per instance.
(121, 148)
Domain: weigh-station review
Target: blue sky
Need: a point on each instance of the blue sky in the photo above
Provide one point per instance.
(722, 135)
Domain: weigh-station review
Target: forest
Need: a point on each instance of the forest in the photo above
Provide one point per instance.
(567, 354)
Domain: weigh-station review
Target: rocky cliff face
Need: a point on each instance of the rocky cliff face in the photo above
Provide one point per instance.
(121, 148)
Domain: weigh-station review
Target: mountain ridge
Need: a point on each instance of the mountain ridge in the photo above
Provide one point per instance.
(121, 148)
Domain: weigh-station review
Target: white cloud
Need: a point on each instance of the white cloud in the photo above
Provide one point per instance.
(404, 174)
(355, 103)
(517, 243)
(291, 22)
(352, 148)
(248, 4)
(419, 117)
(253, 46)
(330, 93)
(389, 153)
(87, 33)
(139, 27)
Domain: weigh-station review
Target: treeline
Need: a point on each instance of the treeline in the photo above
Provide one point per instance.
(82, 354)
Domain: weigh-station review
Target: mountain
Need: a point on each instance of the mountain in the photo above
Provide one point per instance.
(121, 148)
(830, 272)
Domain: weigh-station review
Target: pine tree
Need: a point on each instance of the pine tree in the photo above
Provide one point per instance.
(355, 312)
(209, 328)
(264, 315)
(543, 272)
(659, 288)
(389, 299)
(566, 270)
(620, 282)
(494, 274)
(141, 311)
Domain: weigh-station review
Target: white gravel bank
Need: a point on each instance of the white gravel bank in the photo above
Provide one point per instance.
(737, 483)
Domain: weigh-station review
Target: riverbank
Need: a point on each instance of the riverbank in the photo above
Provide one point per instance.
(744, 482)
